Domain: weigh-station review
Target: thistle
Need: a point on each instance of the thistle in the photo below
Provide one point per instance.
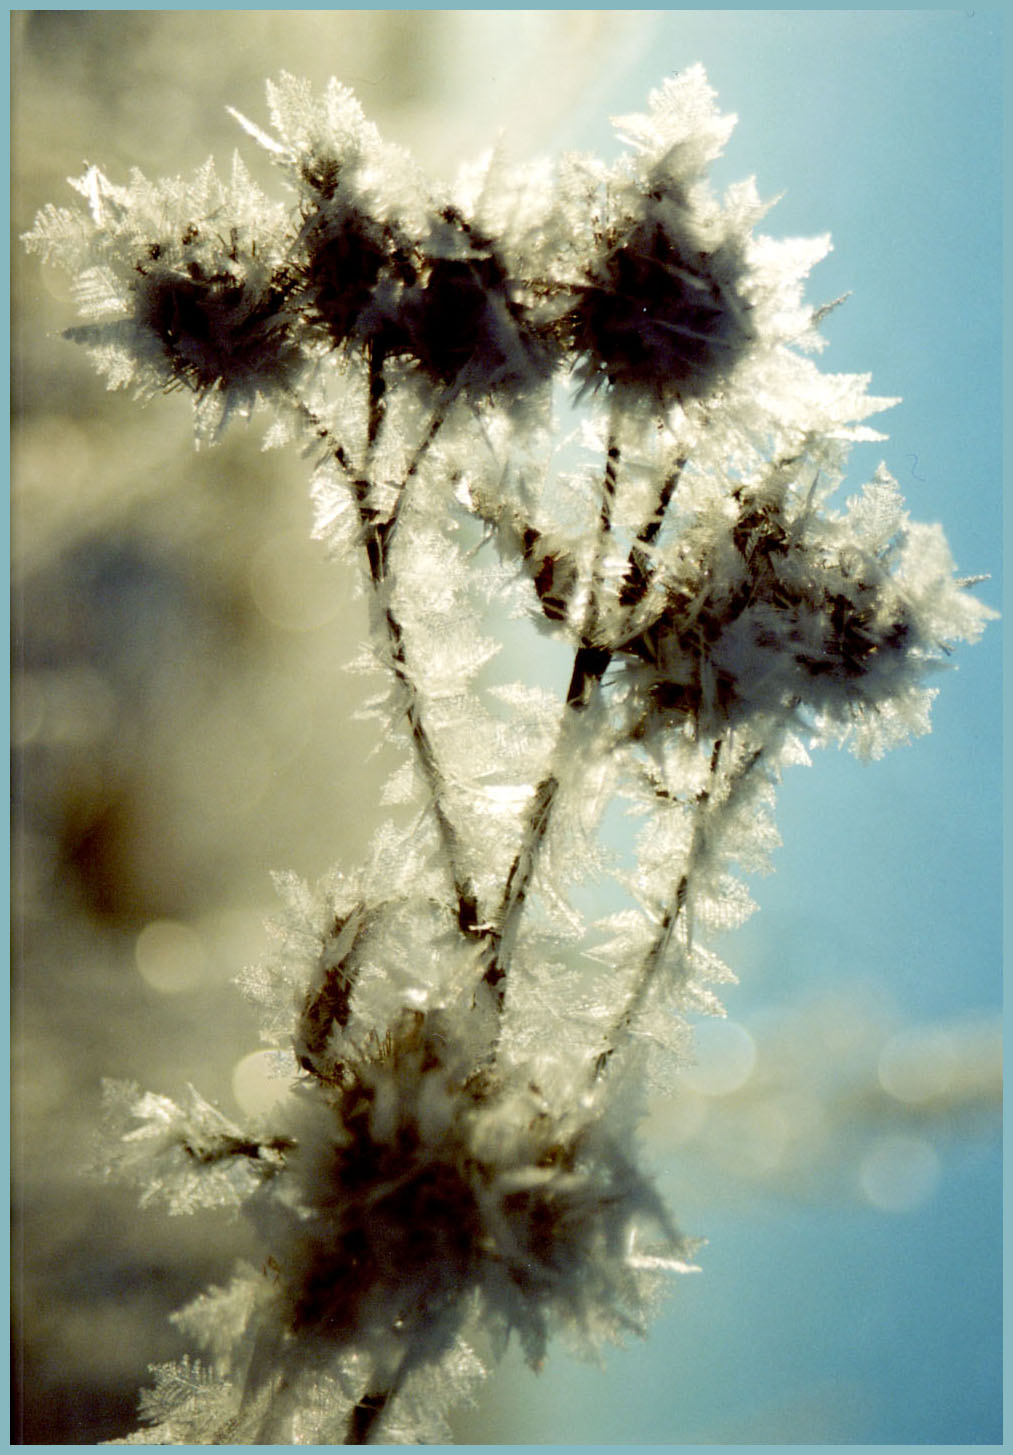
(456, 1161)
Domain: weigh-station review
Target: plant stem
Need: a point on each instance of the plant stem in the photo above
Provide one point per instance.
(377, 540)
(365, 1416)
(248, 1147)
(589, 666)
(502, 936)
(669, 920)
(637, 577)
(608, 496)
(467, 903)
(379, 533)
(377, 393)
(704, 809)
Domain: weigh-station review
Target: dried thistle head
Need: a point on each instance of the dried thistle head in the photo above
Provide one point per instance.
(468, 321)
(353, 270)
(176, 298)
(659, 314)
(835, 617)
(222, 321)
(420, 1185)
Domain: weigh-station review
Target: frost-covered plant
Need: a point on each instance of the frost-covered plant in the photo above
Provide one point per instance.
(456, 1158)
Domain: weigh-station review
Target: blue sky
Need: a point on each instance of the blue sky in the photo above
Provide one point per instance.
(885, 129)
(822, 1322)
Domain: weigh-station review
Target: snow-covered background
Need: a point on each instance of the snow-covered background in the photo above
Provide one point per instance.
(183, 726)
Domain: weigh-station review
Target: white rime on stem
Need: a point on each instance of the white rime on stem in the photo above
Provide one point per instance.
(456, 1163)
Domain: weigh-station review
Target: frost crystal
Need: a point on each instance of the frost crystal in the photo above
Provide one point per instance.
(456, 1162)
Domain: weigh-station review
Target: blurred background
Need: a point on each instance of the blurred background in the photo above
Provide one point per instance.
(183, 725)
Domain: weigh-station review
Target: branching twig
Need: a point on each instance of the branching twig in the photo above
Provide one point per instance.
(703, 814)
(636, 579)
(377, 540)
(365, 1417)
(589, 666)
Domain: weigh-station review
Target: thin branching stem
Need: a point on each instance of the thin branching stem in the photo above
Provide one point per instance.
(377, 538)
(670, 917)
(467, 904)
(265, 1153)
(608, 497)
(503, 933)
(379, 532)
(365, 1416)
(377, 399)
(637, 577)
(676, 910)
(589, 666)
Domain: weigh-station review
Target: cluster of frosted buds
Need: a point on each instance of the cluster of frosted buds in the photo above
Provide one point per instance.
(788, 610)
(389, 268)
(211, 287)
(635, 277)
(764, 605)
(409, 1203)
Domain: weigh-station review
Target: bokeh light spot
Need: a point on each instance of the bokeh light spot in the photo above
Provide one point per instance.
(917, 1065)
(170, 956)
(899, 1173)
(259, 1082)
(293, 584)
(724, 1055)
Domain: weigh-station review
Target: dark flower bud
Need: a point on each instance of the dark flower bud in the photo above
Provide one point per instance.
(658, 314)
(353, 271)
(466, 321)
(222, 321)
